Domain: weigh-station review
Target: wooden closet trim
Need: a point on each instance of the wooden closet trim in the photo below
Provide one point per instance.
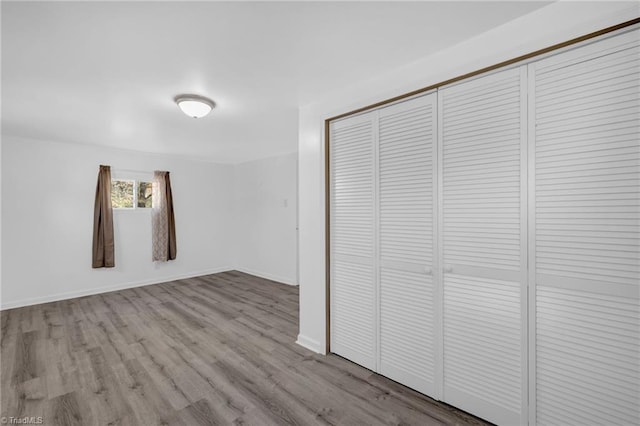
(327, 124)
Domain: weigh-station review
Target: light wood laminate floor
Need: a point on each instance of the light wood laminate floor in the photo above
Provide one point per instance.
(217, 349)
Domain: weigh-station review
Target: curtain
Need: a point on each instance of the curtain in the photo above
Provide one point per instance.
(103, 247)
(163, 221)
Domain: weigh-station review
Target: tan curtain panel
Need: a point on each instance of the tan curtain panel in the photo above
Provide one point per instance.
(103, 247)
(163, 220)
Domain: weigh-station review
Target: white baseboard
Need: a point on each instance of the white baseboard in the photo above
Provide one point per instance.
(106, 289)
(311, 344)
(266, 275)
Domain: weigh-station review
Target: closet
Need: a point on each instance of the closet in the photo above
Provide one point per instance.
(485, 238)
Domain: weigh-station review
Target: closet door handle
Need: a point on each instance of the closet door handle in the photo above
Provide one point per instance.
(427, 270)
(448, 268)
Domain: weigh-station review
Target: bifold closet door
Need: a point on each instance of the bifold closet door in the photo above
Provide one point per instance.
(585, 271)
(353, 239)
(408, 345)
(483, 225)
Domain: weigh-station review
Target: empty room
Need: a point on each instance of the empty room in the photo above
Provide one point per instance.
(320, 213)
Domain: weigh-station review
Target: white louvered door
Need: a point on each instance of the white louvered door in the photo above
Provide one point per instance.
(483, 225)
(408, 338)
(353, 236)
(485, 240)
(584, 146)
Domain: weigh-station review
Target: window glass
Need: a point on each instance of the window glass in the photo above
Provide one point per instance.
(122, 194)
(145, 190)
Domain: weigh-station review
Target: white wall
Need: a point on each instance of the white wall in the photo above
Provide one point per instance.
(48, 193)
(553, 24)
(265, 212)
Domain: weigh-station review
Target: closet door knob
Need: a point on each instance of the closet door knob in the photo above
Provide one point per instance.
(448, 268)
(427, 270)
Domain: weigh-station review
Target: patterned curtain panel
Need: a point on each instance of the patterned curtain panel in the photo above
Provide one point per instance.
(164, 224)
(103, 247)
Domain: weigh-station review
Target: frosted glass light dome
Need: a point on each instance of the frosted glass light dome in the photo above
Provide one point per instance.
(195, 106)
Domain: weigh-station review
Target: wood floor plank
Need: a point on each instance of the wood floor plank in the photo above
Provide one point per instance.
(200, 413)
(65, 410)
(53, 320)
(213, 350)
(163, 374)
(221, 391)
(25, 366)
(150, 407)
(31, 318)
(264, 396)
(60, 379)
(110, 405)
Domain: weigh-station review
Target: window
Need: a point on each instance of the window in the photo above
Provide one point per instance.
(131, 194)
(145, 190)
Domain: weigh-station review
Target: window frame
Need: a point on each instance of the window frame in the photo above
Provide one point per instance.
(135, 194)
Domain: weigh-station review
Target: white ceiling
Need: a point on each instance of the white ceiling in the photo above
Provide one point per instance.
(106, 73)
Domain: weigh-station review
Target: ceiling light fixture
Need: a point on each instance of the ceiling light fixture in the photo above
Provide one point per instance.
(195, 106)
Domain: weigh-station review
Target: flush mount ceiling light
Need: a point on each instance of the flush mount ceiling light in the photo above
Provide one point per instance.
(195, 106)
